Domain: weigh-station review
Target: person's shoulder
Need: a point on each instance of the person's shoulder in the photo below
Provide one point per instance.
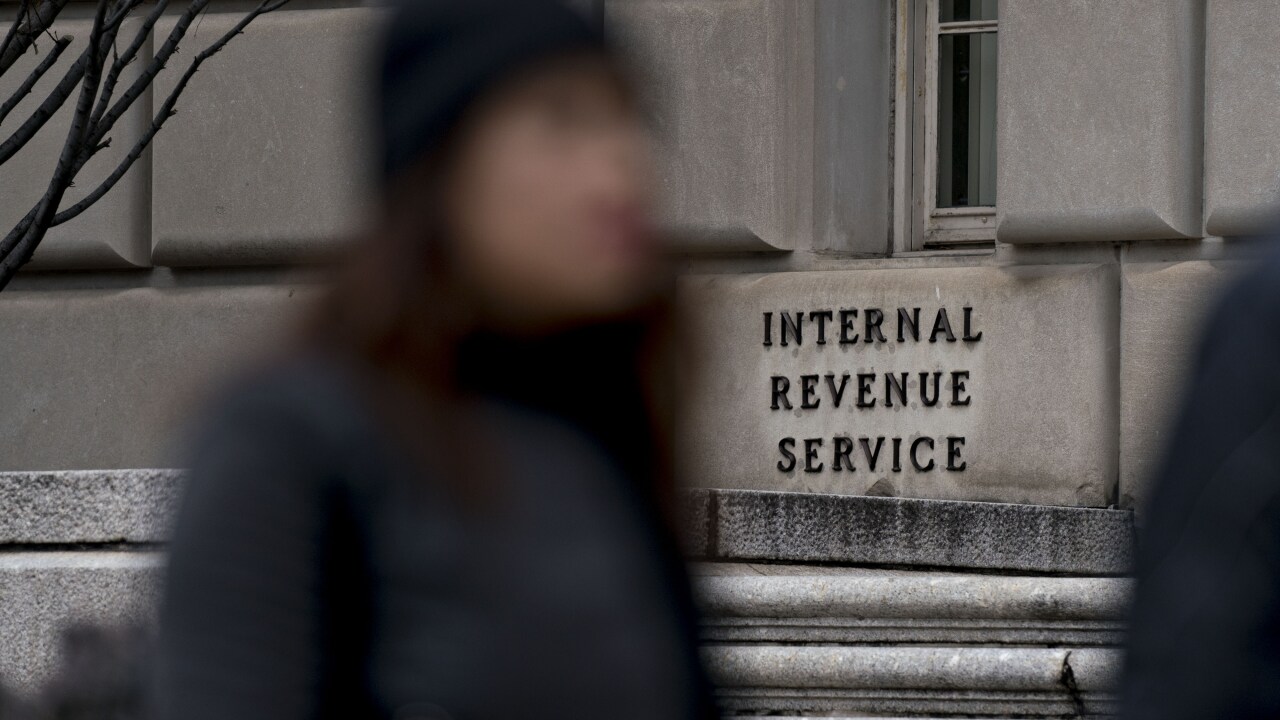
(304, 397)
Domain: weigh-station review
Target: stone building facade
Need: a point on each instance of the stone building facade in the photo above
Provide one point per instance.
(944, 262)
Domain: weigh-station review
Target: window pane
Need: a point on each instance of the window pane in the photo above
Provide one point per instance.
(966, 10)
(967, 120)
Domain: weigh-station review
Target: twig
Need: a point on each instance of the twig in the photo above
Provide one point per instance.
(124, 60)
(25, 89)
(75, 74)
(52, 102)
(108, 119)
(18, 19)
(37, 20)
(122, 11)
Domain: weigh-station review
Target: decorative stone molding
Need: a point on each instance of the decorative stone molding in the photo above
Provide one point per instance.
(807, 604)
(984, 681)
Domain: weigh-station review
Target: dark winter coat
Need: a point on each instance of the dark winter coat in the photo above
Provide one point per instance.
(317, 571)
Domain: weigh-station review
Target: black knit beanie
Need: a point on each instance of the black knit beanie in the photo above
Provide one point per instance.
(440, 55)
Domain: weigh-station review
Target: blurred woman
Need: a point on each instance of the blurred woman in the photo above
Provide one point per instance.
(453, 500)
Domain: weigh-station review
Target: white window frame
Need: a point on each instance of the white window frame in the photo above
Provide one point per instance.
(919, 224)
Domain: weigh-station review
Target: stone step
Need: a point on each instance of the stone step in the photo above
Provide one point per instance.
(981, 681)
(789, 639)
(818, 604)
(804, 604)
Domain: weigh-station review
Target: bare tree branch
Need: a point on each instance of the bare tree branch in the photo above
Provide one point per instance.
(18, 19)
(38, 19)
(52, 102)
(74, 74)
(16, 256)
(167, 110)
(64, 88)
(96, 111)
(144, 79)
(122, 11)
(23, 90)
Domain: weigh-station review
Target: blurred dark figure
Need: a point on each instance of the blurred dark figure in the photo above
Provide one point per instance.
(453, 500)
(1205, 635)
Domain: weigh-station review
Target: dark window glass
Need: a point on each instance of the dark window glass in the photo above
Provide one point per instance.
(967, 120)
(966, 10)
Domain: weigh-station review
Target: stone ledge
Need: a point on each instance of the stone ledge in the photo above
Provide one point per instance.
(886, 606)
(809, 527)
(909, 680)
(134, 506)
(87, 506)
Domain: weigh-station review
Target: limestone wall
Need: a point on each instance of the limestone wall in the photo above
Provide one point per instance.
(775, 118)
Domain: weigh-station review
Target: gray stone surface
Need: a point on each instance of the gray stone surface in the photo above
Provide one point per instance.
(908, 680)
(695, 523)
(87, 506)
(809, 527)
(1099, 120)
(108, 378)
(852, 94)
(270, 157)
(1242, 118)
(859, 605)
(43, 593)
(1162, 317)
(1039, 426)
(115, 232)
(731, 83)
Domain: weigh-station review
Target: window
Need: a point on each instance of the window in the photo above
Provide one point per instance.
(946, 113)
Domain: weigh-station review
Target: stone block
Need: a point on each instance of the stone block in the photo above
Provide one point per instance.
(269, 159)
(1163, 308)
(1242, 118)
(813, 527)
(87, 506)
(1099, 120)
(730, 83)
(44, 593)
(107, 378)
(115, 231)
(1005, 390)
